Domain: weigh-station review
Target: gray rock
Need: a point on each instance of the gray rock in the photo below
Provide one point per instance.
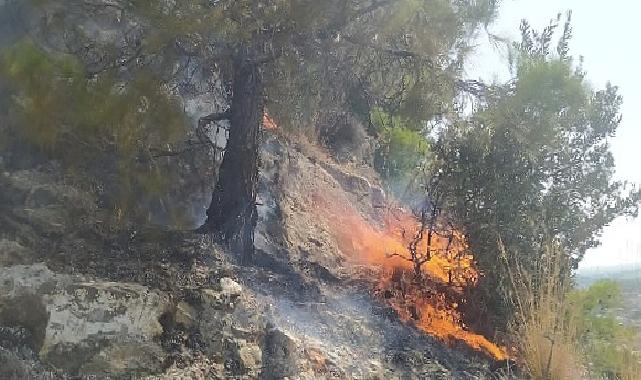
(87, 328)
(378, 197)
(280, 356)
(186, 315)
(352, 183)
(230, 288)
(243, 358)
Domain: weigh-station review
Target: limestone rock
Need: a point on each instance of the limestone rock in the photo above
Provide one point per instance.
(243, 358)
(352, 183)
(230, 288)
(124, 359)
(250, 356)
(84, 327)
(223, 321)
(186, 315)
(280, 355)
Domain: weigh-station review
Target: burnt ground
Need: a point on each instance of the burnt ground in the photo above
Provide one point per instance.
(319, 299)
(310, 315)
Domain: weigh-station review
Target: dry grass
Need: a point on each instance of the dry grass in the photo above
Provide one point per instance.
(543, 327)
(630, 367)
(546, 327)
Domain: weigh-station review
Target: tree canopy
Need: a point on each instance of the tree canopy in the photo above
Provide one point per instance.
(310, 63)
(96, 126)
(534, 162)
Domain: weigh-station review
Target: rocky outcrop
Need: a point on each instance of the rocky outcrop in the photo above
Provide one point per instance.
(84, 327)
(113, 329)
(281, 356)
(80, 300)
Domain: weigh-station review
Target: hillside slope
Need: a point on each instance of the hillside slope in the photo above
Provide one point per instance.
(79, 299)
(84, 297)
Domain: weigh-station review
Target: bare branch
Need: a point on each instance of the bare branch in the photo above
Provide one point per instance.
(389, 255)
(393, 52)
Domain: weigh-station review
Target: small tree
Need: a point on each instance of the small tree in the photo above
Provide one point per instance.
(535, 160)
(304, 56)
(54, 106)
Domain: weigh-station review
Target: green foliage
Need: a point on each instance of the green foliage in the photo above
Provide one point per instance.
(603, 294)
(606, 343)
(535, 161)
(402, 150)
(97, 126)
(397, 55)
(400, 55)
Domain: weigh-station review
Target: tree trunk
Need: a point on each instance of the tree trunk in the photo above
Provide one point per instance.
(232, 213)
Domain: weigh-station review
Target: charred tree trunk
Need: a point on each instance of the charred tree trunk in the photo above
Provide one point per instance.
(232, 213)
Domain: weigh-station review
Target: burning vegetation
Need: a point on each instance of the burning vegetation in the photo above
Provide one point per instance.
(422, 264)
(268, 123)
(419, 267)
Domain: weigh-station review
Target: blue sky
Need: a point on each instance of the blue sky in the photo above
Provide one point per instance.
(606, 35)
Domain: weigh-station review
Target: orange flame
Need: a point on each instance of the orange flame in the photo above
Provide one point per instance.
(431, 302)
(269, 123)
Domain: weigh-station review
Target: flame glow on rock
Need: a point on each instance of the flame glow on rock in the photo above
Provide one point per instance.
(432, 302)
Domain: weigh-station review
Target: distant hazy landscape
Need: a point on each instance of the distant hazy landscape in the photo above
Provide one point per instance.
(587, 276)
(629, 279)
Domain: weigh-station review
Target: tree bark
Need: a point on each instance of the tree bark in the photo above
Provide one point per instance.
(232, 213)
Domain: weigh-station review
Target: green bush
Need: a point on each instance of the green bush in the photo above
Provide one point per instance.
(606, 342)
(99, 127)
(402, 152)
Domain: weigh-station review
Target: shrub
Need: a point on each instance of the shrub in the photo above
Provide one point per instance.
(607, 344)
(402, 153)
(543, 327)
(563, 333)
(99, 127)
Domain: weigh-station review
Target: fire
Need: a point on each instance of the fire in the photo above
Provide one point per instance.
(431, 302)
(268, 122)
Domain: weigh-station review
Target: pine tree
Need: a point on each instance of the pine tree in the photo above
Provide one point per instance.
(303, 56)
